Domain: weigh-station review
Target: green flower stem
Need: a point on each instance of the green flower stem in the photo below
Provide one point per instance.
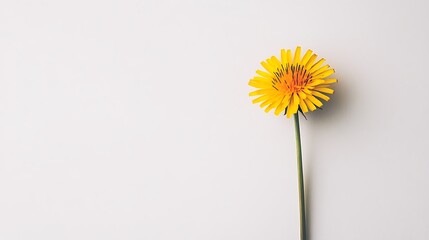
(303, 229)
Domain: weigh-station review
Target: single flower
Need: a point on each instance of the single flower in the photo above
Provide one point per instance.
(292, 83)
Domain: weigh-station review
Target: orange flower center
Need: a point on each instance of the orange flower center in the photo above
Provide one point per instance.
(290, 78)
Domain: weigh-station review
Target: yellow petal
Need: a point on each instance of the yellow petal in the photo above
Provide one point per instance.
(326, 73)
(317, 65)
(303, 106)
(267, 66)
(281, 107)
(307, 56)
(274, 104)
(261, 98)
(295, 98)
(261, 92)
(321, 86)
(260, 84)
(310, 61)
(305, 90)
(320, 70)
(266, 102)
(302, 95)
(324, 90)
(320, 95)
(331, 80)
(260, 78)
(289, 56)
(310, 104)
(264, 74)
(275, 62)
(297, 55)
(315, 100)
(270, 107)
(315, 83)
(283, 57)
(289, 111)
(293, 106)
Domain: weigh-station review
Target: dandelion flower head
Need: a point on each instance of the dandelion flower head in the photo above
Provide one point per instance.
(292, 83)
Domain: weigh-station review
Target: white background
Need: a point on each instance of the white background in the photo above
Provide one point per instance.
(131, 120)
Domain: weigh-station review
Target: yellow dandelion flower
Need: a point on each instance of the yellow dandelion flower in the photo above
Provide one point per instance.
(292, 83)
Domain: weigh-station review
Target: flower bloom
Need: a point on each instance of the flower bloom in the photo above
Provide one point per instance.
(292, 84)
